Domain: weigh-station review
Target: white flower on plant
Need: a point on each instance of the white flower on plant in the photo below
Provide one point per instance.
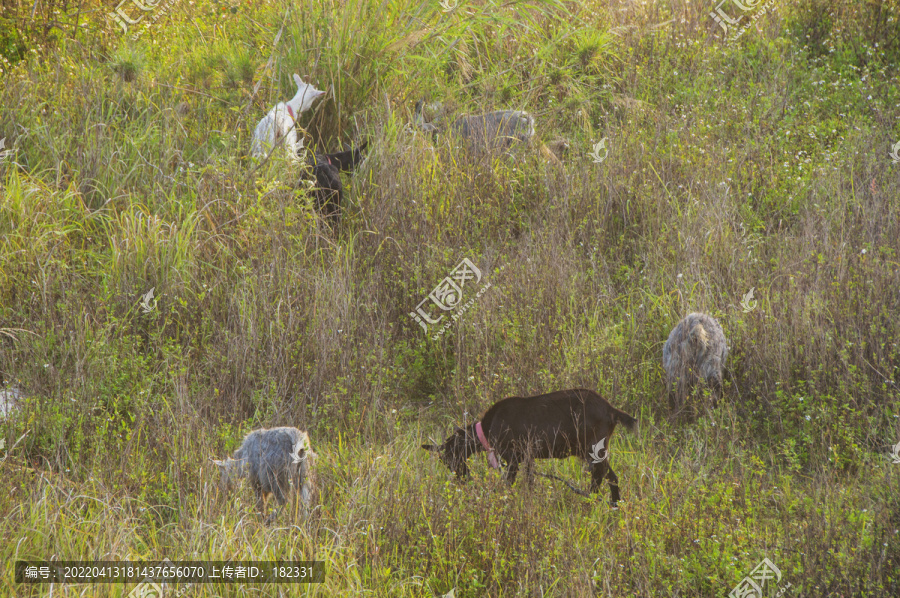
(748, 304)
(448, 5)
(4, 153)
(595, 453)
(146, 298)
(598, 147)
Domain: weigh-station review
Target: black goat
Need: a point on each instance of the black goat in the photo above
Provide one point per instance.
(327, 168)
(566, 423)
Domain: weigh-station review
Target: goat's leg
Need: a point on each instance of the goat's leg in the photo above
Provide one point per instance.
(297, 488)
(683, 397)
(306, 493)
(716, 390)
(613, 481)
(512, 469)
(676, 406)
(276, 512)
(673, 388)
(602, 471)
(598, 474)
(529, 472)
(281, 490)
(281, 486)
(260, 501)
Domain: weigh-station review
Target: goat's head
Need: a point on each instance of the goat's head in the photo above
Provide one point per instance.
(306, 95)
(231, 470)
(456, 449)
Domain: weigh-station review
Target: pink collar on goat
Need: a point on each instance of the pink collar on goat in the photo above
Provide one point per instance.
(291, 112)
(492, 456)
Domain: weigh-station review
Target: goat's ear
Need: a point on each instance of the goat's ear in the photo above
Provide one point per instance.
(298, 80)
(432, 447)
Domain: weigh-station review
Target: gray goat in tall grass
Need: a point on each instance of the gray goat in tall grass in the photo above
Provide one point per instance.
(273, 460)
(696, 349)
(493, 130)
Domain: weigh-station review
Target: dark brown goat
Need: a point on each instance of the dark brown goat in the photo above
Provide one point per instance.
(329, 190)
(566, 423)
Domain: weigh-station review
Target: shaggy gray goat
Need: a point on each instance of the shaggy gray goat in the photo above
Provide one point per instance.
(493, 130)
(273, 460)
(696, 349)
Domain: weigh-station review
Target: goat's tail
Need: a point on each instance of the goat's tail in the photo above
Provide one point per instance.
(626, 420)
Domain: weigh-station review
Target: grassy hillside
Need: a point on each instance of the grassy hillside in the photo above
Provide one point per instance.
(762, 163)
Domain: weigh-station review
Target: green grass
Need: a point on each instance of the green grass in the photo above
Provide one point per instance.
(763, 164)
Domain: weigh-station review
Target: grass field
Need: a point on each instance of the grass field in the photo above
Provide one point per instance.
(761, 162)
